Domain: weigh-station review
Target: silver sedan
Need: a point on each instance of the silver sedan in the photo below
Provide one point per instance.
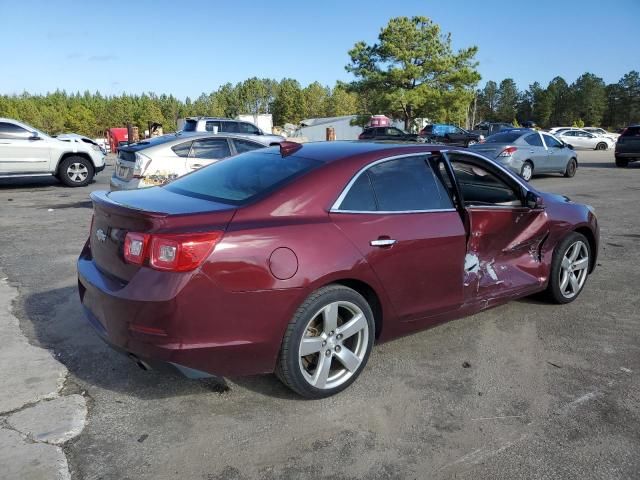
(582, 139)
(528, 152)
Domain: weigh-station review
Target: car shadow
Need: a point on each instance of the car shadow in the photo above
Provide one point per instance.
(607, 165)
(22, 183)
(55, 320)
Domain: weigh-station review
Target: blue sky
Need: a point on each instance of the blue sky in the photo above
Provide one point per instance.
(188, 47)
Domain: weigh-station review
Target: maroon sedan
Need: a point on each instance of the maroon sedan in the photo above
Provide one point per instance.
(296, 259)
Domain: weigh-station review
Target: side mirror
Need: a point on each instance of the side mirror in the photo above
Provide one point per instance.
(533, 201)
(34, 136)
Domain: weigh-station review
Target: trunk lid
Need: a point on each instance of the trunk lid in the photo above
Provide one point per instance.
(151, 210)
(491, 150)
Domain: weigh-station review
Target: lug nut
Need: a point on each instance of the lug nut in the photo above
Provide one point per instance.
(331, 333)
(338, 348)
(339, 336)
(324, 343)
(328, 353)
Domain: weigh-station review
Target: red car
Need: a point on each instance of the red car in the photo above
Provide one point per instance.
(296, 259)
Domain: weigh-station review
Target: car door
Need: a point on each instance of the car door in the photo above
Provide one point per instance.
(505, 236)
(21, 151)
(401, 219)
(557, 153)
(456, 136)
(537, 152)
(207, 151)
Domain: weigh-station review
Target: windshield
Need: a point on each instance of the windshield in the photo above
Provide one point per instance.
(503, 137)
(238, 180)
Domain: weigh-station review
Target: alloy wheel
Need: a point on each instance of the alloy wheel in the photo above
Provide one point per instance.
(574, 269)
(77, 172)
(527, 171)
(334, 345)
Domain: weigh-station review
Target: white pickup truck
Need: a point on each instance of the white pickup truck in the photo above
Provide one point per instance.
(28, 152)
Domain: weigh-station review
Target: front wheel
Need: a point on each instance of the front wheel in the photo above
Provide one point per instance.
(526, 172)
(569, 268)
(572, 166)
(471, 142)
(76, 171)
(327, 343)
(601, 146)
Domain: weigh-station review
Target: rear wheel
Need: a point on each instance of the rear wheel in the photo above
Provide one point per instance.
(622, 162)
(327, 343)
(526, 172)
(572, 166)
(601, 146)
(471, 142)
(569, 268)
(76, 171)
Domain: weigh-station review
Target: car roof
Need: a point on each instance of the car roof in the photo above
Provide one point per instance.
(176, 138)
(328, 152)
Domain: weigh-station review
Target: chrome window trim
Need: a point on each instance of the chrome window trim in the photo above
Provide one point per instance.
(335, 208)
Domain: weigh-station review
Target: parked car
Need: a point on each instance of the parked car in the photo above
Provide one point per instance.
(228, 125)
(489, 128)
(628, 146)
(529, 124)
(74, 137)
(27, 152)
(392, 134)
(556, 130)
(527, 152)
(296, 259)
(601, 132)
(580, 139)
(450, 135)
(159, 160)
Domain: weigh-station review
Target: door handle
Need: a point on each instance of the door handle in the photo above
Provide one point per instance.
(382, 242)
(196, 165)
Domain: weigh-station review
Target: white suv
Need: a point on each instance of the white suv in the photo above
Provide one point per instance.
(27, 152)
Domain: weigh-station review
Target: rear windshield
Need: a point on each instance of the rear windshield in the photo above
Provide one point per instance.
(240, 179)
(190, 125)
(632, 132)
(503, 137)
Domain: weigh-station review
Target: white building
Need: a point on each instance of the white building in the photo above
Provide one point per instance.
(315, 129)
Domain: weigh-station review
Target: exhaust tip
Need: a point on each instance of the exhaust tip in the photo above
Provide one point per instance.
(140, 363)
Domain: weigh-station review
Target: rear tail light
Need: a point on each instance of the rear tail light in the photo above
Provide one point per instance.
(170, 252)
(142, 162)
(507, 152)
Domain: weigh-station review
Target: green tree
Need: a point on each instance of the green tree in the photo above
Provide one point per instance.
(488, 102)
(288, 104)
(413, 71)
(342, 101)
(315, 98)
(589, 98)
(560, 101)
(507, 102)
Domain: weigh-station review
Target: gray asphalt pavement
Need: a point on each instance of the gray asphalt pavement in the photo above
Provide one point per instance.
(551, 391)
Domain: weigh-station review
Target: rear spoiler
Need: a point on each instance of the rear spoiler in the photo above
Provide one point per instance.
(101, 198)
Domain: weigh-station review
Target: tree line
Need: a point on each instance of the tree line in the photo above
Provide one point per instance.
(587, 101)
(411, 72)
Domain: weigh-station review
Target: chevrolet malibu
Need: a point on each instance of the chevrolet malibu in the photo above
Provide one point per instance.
(296, 259)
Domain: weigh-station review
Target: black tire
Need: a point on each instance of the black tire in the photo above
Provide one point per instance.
(524, 173)
(288, 368)
(76, 171)
(601, 146)
(572, 166)
(554, 292)
(471, 142)
(622, 162)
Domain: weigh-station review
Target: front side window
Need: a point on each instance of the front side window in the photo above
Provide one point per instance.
(480, 187)
(229, 127)
(401, 185)
(246, 146)
(551, 142)
(393, 132)
(13, 131)
(211, 148)
(248, 128)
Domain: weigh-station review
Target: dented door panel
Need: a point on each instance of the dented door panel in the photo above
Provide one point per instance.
(504, 252)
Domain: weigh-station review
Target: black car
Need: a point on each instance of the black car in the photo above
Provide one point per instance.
(489, 128)
(388, 133)
(628, 146)
(449, 134)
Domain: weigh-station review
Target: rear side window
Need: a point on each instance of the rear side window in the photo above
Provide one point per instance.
(360, 197)
(534, 140)
(503, 137)
(230, 127)
(209, 126)
(246, 146)
(631, 132)
(248, 128)
(182, 149)
(407, 184)
(239, 180)
(211, 148)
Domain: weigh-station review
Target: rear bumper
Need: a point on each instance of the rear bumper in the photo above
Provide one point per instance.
(100, 168)
(185, 321)
(118, 183)
(628, 155)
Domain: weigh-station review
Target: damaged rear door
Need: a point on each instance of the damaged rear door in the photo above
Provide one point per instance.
(504, 237)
